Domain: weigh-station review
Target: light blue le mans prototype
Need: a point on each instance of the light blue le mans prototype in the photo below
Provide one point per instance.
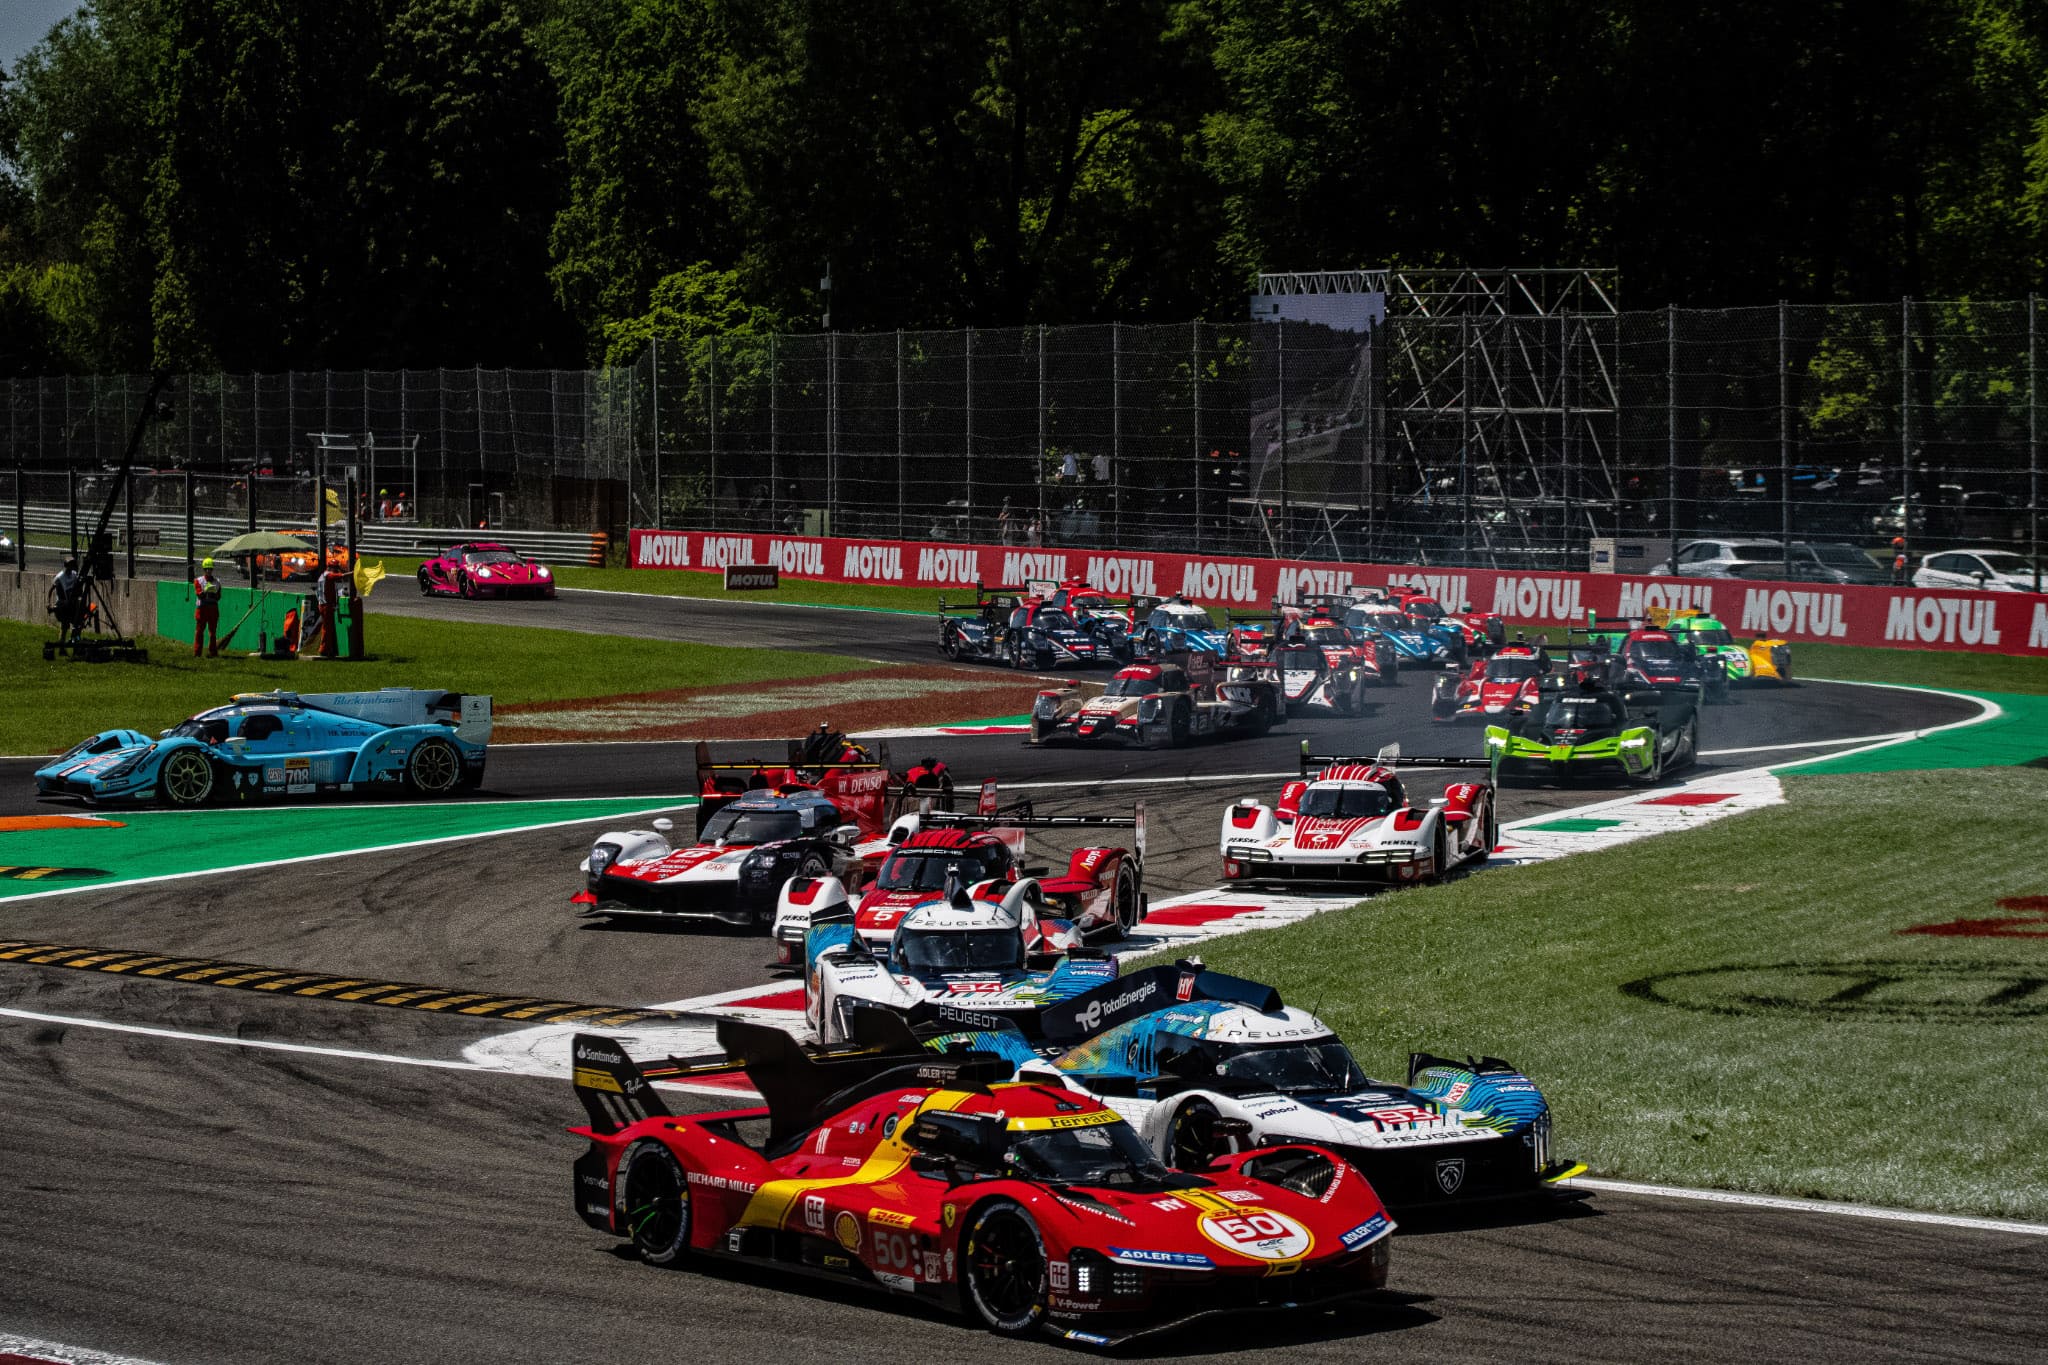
(284, 744)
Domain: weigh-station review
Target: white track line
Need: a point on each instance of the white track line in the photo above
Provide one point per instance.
(1768, 1201)
(34, 1349)
(675, 803)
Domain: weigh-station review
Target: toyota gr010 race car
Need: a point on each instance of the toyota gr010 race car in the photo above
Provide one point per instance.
(965, 946)
(1585, 728)
(822, 811)
(1503, 683)
(1101, 896)
(1023, 630)
(485, 568)
(272, 744)
(1162, 705)
(1353, 820)
(1645, 656)
(1757, 661)
(1224, 1066)
(1027, 1207)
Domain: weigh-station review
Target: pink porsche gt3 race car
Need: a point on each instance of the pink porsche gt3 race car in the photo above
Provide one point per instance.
(484, 568)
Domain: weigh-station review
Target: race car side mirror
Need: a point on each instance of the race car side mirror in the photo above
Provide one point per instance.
(845, 834)
(664, 825)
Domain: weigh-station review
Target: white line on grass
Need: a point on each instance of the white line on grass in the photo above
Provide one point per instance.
(344, 853)
(1820, 1206)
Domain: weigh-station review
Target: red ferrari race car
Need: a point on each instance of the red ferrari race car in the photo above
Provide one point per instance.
(1028, 1207)
(1353, 819)
(484, 568)
(1507, 683)
(1101, 895)
(824, 810)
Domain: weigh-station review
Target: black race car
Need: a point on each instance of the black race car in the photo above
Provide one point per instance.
(1026, 631)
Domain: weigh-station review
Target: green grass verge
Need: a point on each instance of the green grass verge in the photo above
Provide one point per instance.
(52, 705)
(1910, 1090)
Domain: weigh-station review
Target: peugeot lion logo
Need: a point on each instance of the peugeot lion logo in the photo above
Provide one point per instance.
(1450, 1174)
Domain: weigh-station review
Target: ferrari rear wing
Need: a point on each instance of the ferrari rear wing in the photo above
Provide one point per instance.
(1388, 757)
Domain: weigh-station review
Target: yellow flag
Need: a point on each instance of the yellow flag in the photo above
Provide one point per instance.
(332, 513)
(368, 576)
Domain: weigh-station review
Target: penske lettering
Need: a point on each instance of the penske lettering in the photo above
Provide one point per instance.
(1536, 599)
(1942, 620)
(1793, 613)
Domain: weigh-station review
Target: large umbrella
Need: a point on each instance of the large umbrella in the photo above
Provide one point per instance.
(260, 542)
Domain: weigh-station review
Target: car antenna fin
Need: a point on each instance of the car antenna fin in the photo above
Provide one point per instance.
(1388, 753)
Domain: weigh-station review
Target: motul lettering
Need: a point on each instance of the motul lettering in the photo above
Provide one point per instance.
(1296, 582)
(1018, 567)
(797, 556)
(1793, 613)
(1448, 589)
(1123, 577)
(1942, 620)
(720, 551)
(664, 550)
(1536, 599)
(1638, 598)
(870, 563)
(948, 566)
(2038, 637)
(1207, 581)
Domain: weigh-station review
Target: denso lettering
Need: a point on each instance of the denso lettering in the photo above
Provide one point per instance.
(1207, 581)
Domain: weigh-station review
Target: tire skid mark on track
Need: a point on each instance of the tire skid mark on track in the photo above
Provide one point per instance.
(355, 990)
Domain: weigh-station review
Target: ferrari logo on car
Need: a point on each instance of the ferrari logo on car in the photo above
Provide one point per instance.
(1450, 1174)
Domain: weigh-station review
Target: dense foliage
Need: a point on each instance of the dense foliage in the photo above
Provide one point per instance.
(262, 184)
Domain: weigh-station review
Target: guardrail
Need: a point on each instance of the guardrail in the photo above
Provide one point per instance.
(556, 547)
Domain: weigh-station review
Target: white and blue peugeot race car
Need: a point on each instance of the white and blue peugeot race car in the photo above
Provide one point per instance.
(285, 744)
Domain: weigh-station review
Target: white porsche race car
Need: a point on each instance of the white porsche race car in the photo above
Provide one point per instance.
(1353, 820)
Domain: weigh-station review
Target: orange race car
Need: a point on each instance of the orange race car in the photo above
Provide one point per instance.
(290, 564)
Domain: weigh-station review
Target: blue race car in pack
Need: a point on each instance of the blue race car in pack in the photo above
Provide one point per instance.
(962, 955)
(1177, 625)
(1434, 646)
(281, 744)
(1226, 1066)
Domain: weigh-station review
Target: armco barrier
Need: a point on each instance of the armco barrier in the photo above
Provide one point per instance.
(374, 538)
(1903, 618)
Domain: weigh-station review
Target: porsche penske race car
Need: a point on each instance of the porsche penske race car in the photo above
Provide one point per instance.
(1101, 895)
(1415, 646)
(1222, 1070)
(823, 810)
(1754, 662)
(1583, 727)
(485, 568)
(1025, 1206)
(1023, 630)
(1162, 705)
(965, 946)
(1503, 683)
(1353, 820)
(1645, 656)
(285, 744)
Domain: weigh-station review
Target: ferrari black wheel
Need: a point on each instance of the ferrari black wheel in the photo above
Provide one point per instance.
(186, 780)
(1194, 1142)
(1005, 1269)
(434, 768)
(653, 1205)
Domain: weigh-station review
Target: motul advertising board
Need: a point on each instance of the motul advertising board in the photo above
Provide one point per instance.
(1905, 618)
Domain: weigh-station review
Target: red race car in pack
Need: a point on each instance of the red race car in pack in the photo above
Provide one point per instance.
(484, 568)
(825, 810)
(1163, 705)
(1101, 895)
(1025, 1206)
(1353, 820)
(1504, 684)
(1481, 632)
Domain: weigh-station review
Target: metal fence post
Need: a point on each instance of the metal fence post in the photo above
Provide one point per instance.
(1671, 437)
(654, 384)
(968, 334)
(831, 526)
(902, 454)
(1116, 433)
(711, 400)
(1195, 411)
(71, 494)
(128, 516)
(1286, 509)
(1039, 473)
(191, 569)
(1465, 438)
(1784, 445)
(1906, 422)
(20, 515)
(2033, 442)
(775, 427)
(482, 471)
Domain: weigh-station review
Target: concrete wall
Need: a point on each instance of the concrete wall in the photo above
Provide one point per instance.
(26, 597)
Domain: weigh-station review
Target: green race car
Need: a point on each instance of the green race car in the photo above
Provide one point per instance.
(1585, 728)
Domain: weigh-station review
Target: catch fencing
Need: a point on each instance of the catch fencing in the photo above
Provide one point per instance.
(1484, 436)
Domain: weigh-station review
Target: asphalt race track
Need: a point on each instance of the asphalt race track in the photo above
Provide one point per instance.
(184, 1200)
